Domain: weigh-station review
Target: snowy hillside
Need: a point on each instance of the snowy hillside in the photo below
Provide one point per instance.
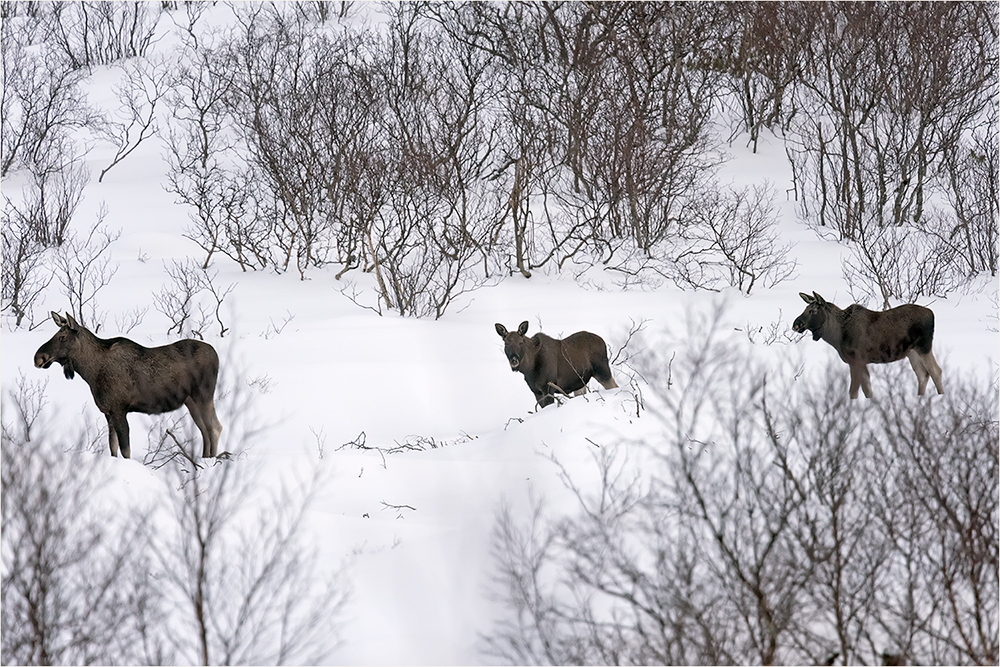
(418, 436)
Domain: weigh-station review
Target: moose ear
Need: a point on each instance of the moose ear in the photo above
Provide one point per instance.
(523, 329)
(59, 319)
(502, 330)
(71, 323)
(819, 300)
(806, 297)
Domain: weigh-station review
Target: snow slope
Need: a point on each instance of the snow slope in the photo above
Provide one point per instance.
(421, 574)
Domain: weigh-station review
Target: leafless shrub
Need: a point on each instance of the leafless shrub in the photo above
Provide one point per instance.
(204, 171)
(130, 319)
(193, 288)
(599, 172)
(22, 20)
(176, 301)
(412, 443)
(514, 146)
(509, 36)
(193, 11)
(25, 272)
(902, 263)
(773, 522)
(298, 110)
(273, 329)
(777, 332)
(446, 85)
(421, 273)
(764, 63)
(42, 105)
(606, 150)
(360, 442)
(99, 33)
(880, 122)
(51, 198)
(142, 86)
(274, 602)
(26, 399)
(324, 10)
(74, 585)
(219, 573)
(940, 514)
(971, 170)
(442, 220)
(887, 138)
(84, 268)
(422, 443)
(731, 238)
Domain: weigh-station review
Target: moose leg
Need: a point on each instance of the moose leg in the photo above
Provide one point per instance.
(860, 378)
(855, 381)
(866, 381)
(544, 399)
(931, 364)
(198, 415)
(112, 437)
(214, 425)
(118, 423)
(920, 368)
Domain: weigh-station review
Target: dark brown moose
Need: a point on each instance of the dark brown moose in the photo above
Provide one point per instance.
(127, 377)
(863, 337)
(553, 366)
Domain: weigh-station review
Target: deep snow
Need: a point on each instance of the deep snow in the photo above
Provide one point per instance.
(420, 577)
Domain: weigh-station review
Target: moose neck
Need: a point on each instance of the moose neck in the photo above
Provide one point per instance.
(832, 330)
(530, 357)
(86, 358)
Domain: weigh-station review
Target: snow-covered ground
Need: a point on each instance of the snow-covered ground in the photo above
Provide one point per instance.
(320, 370)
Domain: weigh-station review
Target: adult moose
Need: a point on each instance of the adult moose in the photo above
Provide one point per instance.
(863, 337)
(127, 377)
(554, 366)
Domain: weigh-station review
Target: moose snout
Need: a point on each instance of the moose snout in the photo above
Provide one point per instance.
(42, 360)
(799, 325)
(514, 363)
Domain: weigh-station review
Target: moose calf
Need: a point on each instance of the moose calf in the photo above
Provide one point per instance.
(127, 377)
(863, 337)
(550, 365)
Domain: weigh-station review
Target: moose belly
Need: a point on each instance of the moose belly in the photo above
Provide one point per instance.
(887, 353)
(154, 404)
(566, 384)
(575, 385)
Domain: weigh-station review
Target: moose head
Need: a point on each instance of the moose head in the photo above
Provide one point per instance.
(813, 317)
(62, 346)
(515, 345)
